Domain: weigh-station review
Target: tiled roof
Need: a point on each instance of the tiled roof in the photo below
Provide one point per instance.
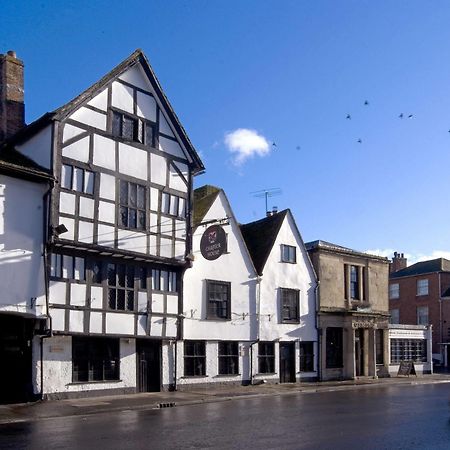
(203, 199)
(430, 266)
(260, 237)
(15, 163)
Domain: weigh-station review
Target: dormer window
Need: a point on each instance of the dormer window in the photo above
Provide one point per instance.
(288, 254)
(133, 129)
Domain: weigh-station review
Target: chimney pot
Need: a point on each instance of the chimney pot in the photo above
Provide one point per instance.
(12, 53)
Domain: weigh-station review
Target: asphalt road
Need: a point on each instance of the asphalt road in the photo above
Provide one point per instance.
(395, 417)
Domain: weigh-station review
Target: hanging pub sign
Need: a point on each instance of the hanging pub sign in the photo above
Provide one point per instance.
(213, 242)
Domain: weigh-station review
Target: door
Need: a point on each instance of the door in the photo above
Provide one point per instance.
(15, 356)
(359, 353)
(287, 362)
(148, 365)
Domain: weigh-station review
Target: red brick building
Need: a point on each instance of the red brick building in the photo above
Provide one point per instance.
(420, 295)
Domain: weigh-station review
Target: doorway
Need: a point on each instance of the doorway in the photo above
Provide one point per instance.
(16, 334)
(359, 353)
(287, 362)
(148, 365)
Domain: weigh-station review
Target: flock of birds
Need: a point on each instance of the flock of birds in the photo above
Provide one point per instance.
(349, 117)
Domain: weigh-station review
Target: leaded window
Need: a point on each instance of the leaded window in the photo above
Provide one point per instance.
(77, 179)
(120, 287)
(164, 280)
(132, 205)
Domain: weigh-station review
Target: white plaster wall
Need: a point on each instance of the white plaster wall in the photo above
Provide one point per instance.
(170, 146)
(90, 117)
(164, 126)
(100, 101)
(132, 241)
(235, 267)
(146, 106)
(39, 147)
(70, 131)
(79, 150)
(136, 76)
(57, 367)
(133, 161)
(158, 169)
(104, 152)
(21, 262)
(122, 97)
(175, 181)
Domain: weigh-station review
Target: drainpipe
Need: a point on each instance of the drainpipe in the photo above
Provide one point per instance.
(258, 319)
(441, 325)
(319, 331)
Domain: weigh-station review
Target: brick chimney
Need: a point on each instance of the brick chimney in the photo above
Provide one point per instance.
(399, 262)
(12, 107)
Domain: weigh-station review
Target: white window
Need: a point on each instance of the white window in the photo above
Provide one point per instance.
(422, 315)
(288, 253)
(395, 316)
(422, 287)
(77, 179)
(394, 291)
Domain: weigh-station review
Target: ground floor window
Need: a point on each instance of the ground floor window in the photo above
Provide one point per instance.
(408, 350)
(266, 357)
(95, 359)
(194, 358)
(306, 356)
(228, 358)
(334, 349)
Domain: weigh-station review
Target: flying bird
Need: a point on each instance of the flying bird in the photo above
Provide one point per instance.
(366, 102)
(359, 141)
(410, 116)
(348, 116)
(401, 116)
(298, 147)
(273, 144)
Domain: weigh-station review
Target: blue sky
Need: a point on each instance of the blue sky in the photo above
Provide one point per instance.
(291, 72)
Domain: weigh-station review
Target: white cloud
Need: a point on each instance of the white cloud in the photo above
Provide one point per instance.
(411, 257)
(244, 144)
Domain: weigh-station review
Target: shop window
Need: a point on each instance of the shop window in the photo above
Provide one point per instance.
(95, 359)
(408, 350)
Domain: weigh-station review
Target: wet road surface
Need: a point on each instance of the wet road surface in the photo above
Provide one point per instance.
(396, 417)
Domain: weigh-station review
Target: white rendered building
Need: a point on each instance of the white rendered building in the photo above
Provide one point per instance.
(286, 349)
(219, 301)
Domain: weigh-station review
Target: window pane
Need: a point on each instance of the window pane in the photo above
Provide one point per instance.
(156, 286)
(112, 274)
(128, 125)
(141, 197)
(123, 216)
(174, 205)
(181, 206)
(165, 203)
(66, 177)
(112, 298)
(79, 269)
(123, 193)
(143, 278)
(132, 219)
(89, 182)
(148, 135)
(97, 272)
(164, 280)
(67, 271)
(132, 194)
(130, 277)
(130, 300)
(120, 299)
(117, 124)
(120, 275)
(78, 179)
(141, 220)
(172, 281)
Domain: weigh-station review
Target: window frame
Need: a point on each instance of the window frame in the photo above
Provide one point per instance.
(422, 287)
(198, 356)
(212, 313)
(288, 254)
(73, 187)
(403, 349)
(95, 354)
(129, 206)
(60, 269)
(228, 358)
(140, 127)
(290, 305)
(420, 314)
(394, 291)
(306, 363)
(120, 287)
(266, 357)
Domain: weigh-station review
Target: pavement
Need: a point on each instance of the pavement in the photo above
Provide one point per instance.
(41, 410)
